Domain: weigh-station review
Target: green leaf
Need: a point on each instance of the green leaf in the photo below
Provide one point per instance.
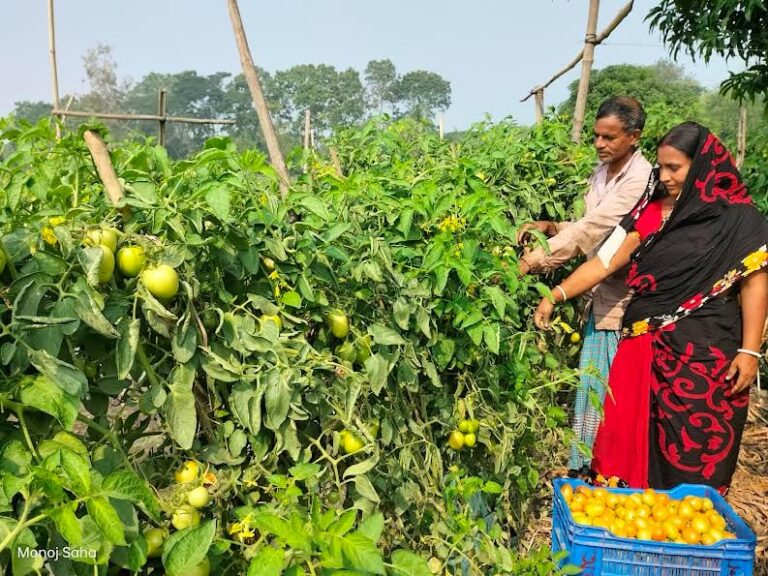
(377, 370)
(336, 231)
(497, 298)
(185, 549)
(423, 321)
(305, 288)
(130, 330)
(272, 524)
(66, 375)
(315, 205)
(180, 406)
(366, 489)
(385, 336)
(107, 519)
(277, 400)
(67, 524)
(125, 485)
(543, 290)
(268, 561)
(77, 469)
(218, 200)
(491, 335)
(406, 563)
(361, 467)
(401, 313)
(443, 352)
(372, 527)
(292, 299)
(92, 316)
(362, 554)
(90, 258)
(42, 393)
(304, 470)
(245, 404)
(184, 341)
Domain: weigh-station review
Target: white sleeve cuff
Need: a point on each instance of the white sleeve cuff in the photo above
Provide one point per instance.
(611, 246)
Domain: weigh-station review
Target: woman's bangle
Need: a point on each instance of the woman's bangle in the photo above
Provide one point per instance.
(565, 296)
(750, 352)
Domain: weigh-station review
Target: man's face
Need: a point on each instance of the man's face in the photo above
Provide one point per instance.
(612, 142)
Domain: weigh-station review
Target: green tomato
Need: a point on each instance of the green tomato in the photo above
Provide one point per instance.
(474, 426)
(130, 260)
(185, 516)
(162, 281)
(339, 323)
(456, 440)
(363, 349)
(199, 497)
(102, 237)
(347, 352)
(106, 264)
(470, 440)
(202, 569)
(350, 443)
(269, 264)
(464, 426)
(155, 538)
(188, 472)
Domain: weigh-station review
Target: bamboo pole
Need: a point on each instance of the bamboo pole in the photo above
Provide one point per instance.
(254, 85)
(586, 70)
(441, 125)
(623, 13)
(162, 111)
(104, 167)
(336, 163)
(52, 59)
(154, 117)
(539, 105)
(741, 137)
(307, 128)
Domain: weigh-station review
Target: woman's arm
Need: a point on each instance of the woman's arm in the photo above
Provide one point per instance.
(754, 306)
(584, 278)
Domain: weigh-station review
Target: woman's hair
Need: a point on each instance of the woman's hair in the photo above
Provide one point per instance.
(627, 109)
(683, 137)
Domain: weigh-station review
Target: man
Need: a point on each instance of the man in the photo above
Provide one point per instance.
(614, 188)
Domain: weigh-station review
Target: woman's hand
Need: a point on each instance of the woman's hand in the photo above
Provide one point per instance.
(543, 314)
(746, 366)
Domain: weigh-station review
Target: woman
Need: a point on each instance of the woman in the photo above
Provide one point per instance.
(692, 331)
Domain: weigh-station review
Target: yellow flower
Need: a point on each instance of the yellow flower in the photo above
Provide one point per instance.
(274, 275)
(755, 260)
(245, 533)
(48, 236)
(56, 220)
(640, 327)
(235, 528)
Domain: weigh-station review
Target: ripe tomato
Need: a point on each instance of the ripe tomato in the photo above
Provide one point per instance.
(155, 537)
(185, 516)
(350, 443)
(188, 472)
(162, 281)
(575, 338)
(456, 440)
(130, 260)
(106, 264)
(199, 497)
(339, 323)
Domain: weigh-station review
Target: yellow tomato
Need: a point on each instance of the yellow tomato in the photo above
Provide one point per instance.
(130, 260)
(456, 440)
(162, 281)
(188, 472)
(106, 264)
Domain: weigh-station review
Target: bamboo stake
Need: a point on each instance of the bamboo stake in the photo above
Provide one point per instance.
(586, 70)
(741, 138)
(162, 110)
(254, 85)
(104, 166)
(335, 162)
(539, 105)
(154, 117)
(307, 128)
(623, 13)
(441, 126)
(52, 59)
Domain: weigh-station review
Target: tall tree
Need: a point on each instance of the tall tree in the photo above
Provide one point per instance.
(380, 79)
(728, 28)
(32, 111)
(422, 94)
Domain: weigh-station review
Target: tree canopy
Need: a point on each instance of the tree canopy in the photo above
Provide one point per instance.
(728, 28)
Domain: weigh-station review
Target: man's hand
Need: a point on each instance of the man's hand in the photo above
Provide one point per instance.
(543, 314)
(544, 226)
(523, 267)
(746, 366)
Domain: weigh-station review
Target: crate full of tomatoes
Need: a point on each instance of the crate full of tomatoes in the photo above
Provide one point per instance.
(688, 530)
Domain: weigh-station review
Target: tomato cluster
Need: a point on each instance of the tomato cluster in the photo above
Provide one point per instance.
(648, 515)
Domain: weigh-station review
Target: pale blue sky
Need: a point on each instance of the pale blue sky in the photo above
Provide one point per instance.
(491, 51)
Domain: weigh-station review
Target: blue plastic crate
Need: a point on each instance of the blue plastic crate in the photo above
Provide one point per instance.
(597, 552)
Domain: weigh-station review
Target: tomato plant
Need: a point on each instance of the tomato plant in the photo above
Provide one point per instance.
(304, 361)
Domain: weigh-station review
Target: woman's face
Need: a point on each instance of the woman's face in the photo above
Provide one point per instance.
(673, 168)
